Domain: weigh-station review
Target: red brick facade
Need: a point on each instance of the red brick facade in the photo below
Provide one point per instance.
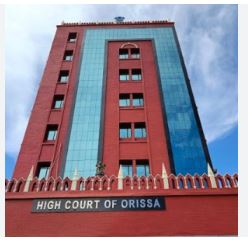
(154, 146)
(189, 211)
(195, 205)
(34, 149)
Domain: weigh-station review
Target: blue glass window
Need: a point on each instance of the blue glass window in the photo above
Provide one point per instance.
(136, 74)
(123, 53)
(58, 101)
(43, 170)
(63, 76)
(68, 55)
(140, 130)
(51, 132)
(142, 168)
(72, 37)
(138, 100)
(135, 53)
(123, 75)
(125, 130)
(127, 168)
(124, 100)
(183, 132)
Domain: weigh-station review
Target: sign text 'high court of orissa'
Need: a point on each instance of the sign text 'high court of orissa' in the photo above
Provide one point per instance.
(99, 204)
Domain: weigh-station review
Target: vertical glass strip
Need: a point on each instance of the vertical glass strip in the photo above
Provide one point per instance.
(187, 149)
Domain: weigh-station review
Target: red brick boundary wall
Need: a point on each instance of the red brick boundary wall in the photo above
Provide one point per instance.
(195, 205)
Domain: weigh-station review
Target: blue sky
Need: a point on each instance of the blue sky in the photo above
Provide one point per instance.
(208, 38)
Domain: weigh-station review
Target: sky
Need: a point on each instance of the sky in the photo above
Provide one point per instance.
(208, 38)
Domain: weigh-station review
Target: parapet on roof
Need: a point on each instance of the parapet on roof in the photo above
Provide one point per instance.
(167, 22)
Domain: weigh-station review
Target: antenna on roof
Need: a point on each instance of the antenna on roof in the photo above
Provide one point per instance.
(119, 19)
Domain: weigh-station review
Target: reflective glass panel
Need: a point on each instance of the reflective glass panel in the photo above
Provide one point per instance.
(64, 76)
(43, 172)
(183, 133)
(68, 55)
(142, 168)
(138, 100)
(123, 54)
(127, 168)
(136, 74)
(58, 101)
(124, 100)
(124, 75)
(72, 37)
(51, 134)
(58, 104)
(139, 130)
(125, 130)
(135, 53)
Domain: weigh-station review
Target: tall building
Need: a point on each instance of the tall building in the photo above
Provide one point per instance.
(115, 135)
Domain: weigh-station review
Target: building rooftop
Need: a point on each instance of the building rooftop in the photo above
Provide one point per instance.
(150, 22)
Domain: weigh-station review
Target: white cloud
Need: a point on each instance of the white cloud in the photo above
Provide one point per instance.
(210, 54)
(205, 34)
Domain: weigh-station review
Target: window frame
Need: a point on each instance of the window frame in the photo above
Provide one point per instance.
(124, 72)
(142, 129)
(63, 73)
(135, 55)
(131, 53)
(40, 166)
(58, 98)
(126, 55)
(127, 100)
(70, 38)
(126, 164)
(136, 76)
(51, 130)
(132, 168)
(145, 164)
(136, 98)
(68, 54)
(125, 127)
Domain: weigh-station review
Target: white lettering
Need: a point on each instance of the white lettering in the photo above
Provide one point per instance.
(89, 204)
(50, 205)
(68, 204)
(142, 203)
(75, 204)
(107, 203)
(131, 203)
(57, 204)
(39, 205)
(124, 203)
(97, 202)
(156, 203)
(137, 203)
(149, 203)
(114, 203)
(82, 204)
